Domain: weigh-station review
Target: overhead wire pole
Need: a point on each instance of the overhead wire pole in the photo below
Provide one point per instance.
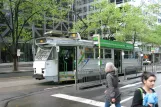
(76, 15)
(99, 48)
(33, 41)
(76, 62)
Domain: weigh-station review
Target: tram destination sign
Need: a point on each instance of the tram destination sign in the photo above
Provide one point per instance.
(114, 44)
(44, 40)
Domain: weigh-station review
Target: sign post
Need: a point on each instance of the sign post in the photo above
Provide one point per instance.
(18, 54)
(99, 51)
(152, 51)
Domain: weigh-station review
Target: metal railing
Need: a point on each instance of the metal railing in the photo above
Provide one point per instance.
(131, 70)
(89, 78)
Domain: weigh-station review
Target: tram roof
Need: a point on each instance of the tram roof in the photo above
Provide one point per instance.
(60, 41)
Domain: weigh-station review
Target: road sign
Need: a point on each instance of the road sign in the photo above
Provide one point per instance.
(18, 52)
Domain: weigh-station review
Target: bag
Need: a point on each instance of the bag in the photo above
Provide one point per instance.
(142, 93)
(149, 97)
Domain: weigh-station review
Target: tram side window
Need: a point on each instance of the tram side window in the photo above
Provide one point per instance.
(89, 53)
(108, 53)
(136, 55)
(97, 53)
(128, 54)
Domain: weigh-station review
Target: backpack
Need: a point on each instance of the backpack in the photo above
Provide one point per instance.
(142, 93)
(144, 97)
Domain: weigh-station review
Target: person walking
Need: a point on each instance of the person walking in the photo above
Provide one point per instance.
(146, 96)
(112, 93)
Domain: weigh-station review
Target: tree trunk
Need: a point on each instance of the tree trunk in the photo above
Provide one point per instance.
(15, 63)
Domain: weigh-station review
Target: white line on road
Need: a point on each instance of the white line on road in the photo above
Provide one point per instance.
(81, 100)
(126, 86)
(89, 101)
(130, 85)
(58, 87)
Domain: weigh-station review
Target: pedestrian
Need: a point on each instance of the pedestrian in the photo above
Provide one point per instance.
(146, 96)
(112, 93)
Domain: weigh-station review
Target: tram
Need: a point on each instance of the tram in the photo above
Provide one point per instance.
(58, 57)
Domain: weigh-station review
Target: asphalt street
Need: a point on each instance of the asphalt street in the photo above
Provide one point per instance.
(27, 92)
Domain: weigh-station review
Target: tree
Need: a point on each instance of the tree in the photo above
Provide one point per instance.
(154, 36)
(127, 22)
(18, 14)
(104, 19)
(133, 24)
(140, 23)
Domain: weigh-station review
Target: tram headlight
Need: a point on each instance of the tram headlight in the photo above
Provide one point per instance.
(34, 70)
(43, 70)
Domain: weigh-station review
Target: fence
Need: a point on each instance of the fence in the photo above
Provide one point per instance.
(131, 70)
(89, 78)
(156, 67)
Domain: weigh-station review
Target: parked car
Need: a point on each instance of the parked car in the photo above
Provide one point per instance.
(146, 62)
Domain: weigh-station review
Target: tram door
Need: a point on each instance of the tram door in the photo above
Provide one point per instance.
(66, 63)
(118, 60)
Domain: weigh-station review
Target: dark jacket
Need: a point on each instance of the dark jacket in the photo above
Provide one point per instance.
(112, 89)
(138, 100)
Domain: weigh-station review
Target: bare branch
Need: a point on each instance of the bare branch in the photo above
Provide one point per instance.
(24, 25)
(12, 21)
(16, 20)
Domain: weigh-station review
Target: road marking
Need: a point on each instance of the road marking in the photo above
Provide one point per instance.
(89, 101)
(126, 86)
(58, 87)
(81, 100)
(130, 85)
(122, 101)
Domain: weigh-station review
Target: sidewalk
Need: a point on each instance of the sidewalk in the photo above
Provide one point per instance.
(21, 64)
(22, 67)
(20, 70)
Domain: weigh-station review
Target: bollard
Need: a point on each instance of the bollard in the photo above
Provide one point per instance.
(124, 73)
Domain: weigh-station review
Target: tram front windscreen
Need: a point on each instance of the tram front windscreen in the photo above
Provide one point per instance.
(43, 53)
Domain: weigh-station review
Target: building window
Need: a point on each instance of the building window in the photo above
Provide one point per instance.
(79, 10)
(85, 16)
(78, 2)
(91, 8)
(84, 1)
(90, 1)
(159, 20)
(84, 9)
(108, 53)
(89, 53)
(128, 54)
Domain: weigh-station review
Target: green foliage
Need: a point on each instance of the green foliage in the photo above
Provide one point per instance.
(23, 13)
(19, 14)
(127, 23)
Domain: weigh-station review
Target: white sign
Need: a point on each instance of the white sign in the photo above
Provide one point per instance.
(18, 52)
(57, 48)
